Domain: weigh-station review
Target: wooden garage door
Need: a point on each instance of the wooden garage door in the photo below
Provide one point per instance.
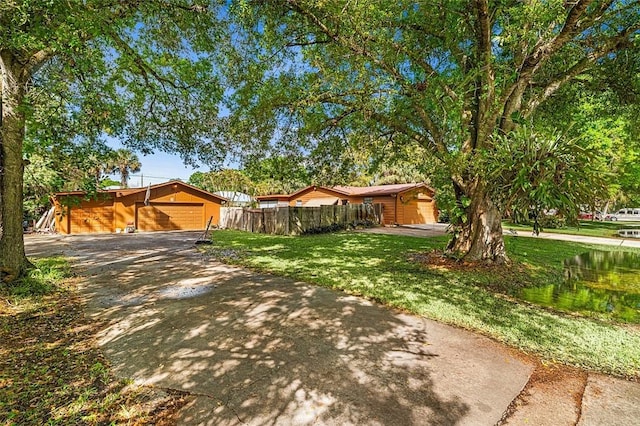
(169, 217)
(91, 219)
(419, 211)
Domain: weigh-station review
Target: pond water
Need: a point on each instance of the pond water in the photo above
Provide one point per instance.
(603, 282)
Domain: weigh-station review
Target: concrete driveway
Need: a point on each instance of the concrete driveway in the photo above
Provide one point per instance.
(257, 349)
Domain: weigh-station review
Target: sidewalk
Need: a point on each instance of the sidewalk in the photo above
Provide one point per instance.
(580, 239)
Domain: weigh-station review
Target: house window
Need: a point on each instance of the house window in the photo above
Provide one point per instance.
(298, 203)
(268, 204)
(368, 200)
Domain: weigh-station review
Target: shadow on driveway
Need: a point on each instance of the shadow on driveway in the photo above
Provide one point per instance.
(258, 349)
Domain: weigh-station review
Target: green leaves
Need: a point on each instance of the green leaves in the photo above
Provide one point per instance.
(144, 72)
(530, 170)
(223, 180)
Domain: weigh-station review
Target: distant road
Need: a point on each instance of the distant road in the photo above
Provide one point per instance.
(620, 242)
(437, 229)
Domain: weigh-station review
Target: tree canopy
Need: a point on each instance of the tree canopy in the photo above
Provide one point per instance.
(80, 167)
(222, 180)
(606, 122)
(123, 162)
(77, 71)
(451, 80)
(447, 83)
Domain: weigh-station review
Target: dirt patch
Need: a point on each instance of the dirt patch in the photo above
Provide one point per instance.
(502, 278)
(553, 395)
(439, 260)
(224, 255)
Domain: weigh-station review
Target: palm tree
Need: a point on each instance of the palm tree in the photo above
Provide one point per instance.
(124, 162)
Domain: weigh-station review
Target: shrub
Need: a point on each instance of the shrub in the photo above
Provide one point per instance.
(552, 222)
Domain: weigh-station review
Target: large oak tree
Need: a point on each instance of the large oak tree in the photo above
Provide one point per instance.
(453, 78)
(73, 71)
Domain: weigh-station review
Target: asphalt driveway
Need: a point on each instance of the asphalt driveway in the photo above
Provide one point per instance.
(258, 349)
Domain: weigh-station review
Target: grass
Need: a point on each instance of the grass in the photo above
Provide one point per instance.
(385, 268)
(51, 371)
(585, 227)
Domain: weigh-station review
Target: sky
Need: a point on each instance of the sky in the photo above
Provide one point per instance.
(161, 167)
(157, 168)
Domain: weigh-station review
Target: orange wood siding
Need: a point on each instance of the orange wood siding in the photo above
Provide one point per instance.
(416, 207)
(388, 208)
(313, 194)
(176, 206)
(170, 194)
(169, 216)
(91, 216)
(62, 217)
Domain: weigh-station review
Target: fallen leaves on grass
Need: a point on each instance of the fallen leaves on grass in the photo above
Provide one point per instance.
(51, 371)
(224, 255)
(504, 278)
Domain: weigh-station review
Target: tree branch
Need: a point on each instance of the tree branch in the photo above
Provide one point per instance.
(361, 51)
(35, 62)
(512, 98)
(145, 69)
(485, 86)
(613, 44)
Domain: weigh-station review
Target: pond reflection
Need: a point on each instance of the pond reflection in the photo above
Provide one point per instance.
(603, 282)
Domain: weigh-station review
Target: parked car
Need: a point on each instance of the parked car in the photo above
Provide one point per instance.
(626, 214)
(590, 215)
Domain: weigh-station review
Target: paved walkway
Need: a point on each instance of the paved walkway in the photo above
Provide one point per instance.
(257, 349)
(620, 242)
(436, 229)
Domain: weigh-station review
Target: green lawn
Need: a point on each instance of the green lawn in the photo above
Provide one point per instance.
(585, 227)
(379, 267)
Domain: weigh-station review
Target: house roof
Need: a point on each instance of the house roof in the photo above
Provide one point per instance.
(123, 192)
(287, 197)
(380, 189)
(360, 191)
(284, 197)
(314, 187)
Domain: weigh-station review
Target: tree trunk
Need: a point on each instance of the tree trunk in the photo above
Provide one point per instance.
(13, 261)
(479, 238)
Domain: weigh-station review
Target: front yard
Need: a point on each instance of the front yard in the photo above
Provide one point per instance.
(392, 271)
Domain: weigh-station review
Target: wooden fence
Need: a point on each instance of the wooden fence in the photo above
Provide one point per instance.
(297, 220)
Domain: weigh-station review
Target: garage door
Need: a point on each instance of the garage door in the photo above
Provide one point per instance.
(91, 219)
(169, 217)
(419, 211)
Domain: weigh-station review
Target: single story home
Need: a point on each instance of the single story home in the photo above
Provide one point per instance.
(167, 206)
(403, 204)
